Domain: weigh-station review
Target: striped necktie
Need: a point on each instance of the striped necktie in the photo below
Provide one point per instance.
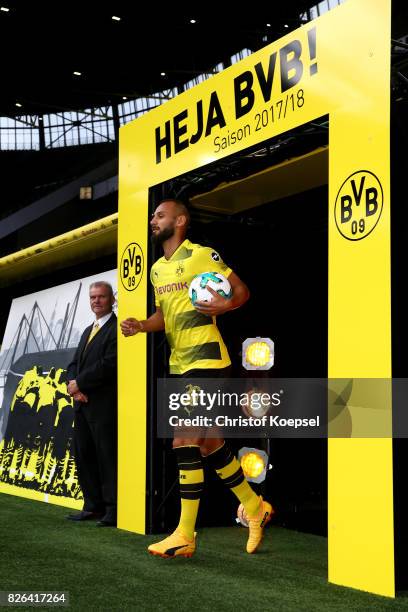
(93, 333)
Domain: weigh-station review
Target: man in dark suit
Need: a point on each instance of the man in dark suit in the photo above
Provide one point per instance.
(92, 377)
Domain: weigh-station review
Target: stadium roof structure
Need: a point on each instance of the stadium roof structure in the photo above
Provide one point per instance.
(122, 50)
(43, 44)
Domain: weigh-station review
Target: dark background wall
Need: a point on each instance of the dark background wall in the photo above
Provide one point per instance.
(280, 250)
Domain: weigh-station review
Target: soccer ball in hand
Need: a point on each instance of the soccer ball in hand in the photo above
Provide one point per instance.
(198, 291)
(242, 515)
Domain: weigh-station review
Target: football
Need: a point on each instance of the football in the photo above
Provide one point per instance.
(242, 516)
(198, 291)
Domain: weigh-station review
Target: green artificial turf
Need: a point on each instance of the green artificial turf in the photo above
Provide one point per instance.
(109, 569)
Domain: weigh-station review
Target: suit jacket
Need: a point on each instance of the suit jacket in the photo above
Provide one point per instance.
(94, 367)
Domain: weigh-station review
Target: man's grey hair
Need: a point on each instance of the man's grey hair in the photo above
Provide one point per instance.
(102, 284)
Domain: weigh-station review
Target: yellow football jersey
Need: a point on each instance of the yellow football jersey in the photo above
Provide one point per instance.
(194, 338)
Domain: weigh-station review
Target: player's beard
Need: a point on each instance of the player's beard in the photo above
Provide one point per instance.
(163, 235)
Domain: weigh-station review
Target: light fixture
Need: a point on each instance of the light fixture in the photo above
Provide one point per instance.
(124, 97)
(18, 104)
(268, 25)
(193, 21)
(115, 18)
(162, 74)
(286, 25)
(76, 73)
(256, 406)
(85, 193)
(5, 9)
(254, 463)
(258, 353)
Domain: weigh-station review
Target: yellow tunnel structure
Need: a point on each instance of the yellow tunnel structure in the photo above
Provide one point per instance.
(337, 65)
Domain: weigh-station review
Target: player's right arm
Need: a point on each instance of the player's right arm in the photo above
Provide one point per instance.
(131, 326)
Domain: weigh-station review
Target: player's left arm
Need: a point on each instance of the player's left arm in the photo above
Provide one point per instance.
(219, 305)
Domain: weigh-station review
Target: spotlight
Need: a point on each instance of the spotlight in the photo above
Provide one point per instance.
(258, 353)
(255, 406)
(85, 193)
(254, 463)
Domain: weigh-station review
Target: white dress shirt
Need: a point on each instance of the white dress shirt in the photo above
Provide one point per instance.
(101, 322)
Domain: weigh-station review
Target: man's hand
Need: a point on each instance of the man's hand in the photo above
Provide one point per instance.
(72, 387)
(154, 323)
(131, 326)
(217, 306)
(80, 397)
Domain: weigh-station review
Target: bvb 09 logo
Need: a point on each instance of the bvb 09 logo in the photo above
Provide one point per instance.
(131, 266)
(358, 205)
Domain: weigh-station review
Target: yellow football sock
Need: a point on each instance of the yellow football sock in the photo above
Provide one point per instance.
(191, 476)
(229, 470)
